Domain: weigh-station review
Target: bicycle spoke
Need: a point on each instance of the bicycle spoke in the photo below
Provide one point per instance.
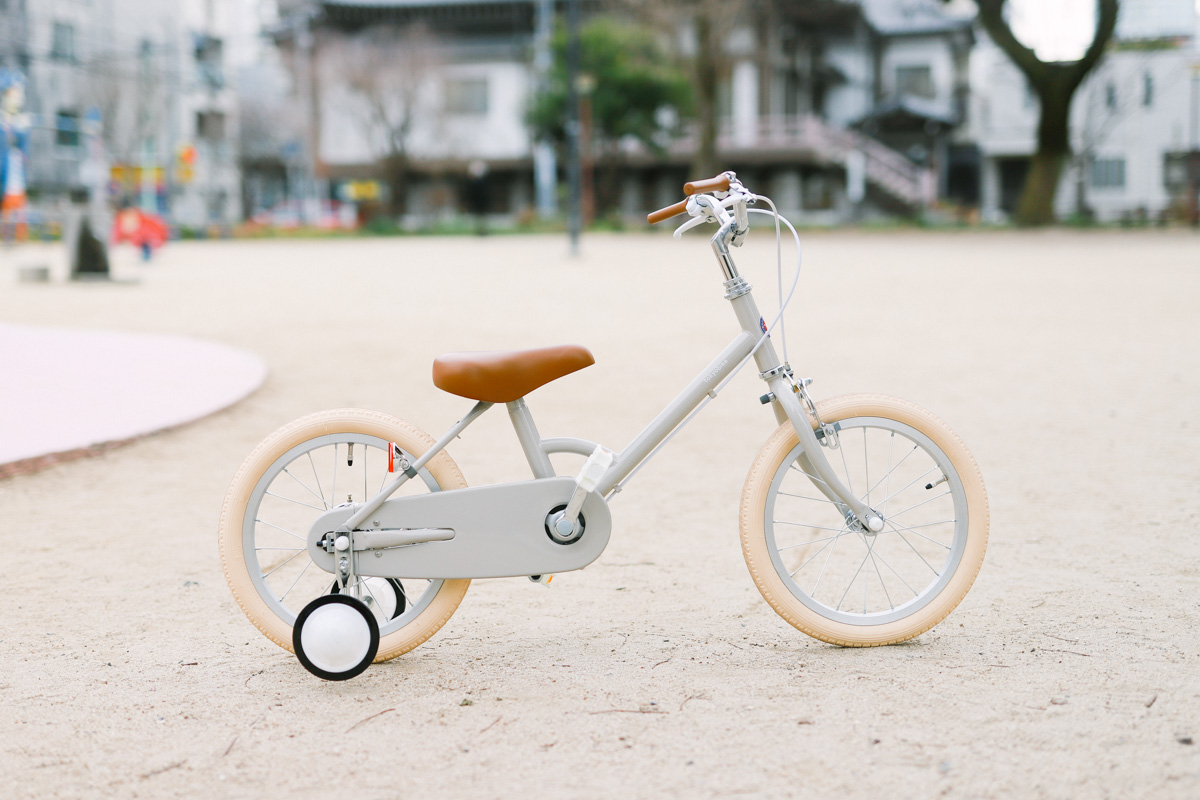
(814, 499)
(297, 502)
(812, 477)
(806, 525)
(923, 536)
(891, 605)
(333, 488)
(832, 547)
(866, 469)
(289, 549)
(367, 586)
(891, 469)
(923, 502)
(834, 539)
(293, 586)
(897, 574)
(802, 544)
(838, 607)
(910, 483)
(276, 527)
(846, 470)
(307, 488)
(316, 477)
(915, 550)
(285, 563)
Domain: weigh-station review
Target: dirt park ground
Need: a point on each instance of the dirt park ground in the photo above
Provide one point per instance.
(1068, 362)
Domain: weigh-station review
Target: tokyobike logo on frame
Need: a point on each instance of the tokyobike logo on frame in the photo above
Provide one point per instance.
(716, 371)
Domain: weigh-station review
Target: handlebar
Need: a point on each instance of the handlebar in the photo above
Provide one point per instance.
(718, 184)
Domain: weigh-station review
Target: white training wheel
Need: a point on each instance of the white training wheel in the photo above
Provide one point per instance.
(336, 637)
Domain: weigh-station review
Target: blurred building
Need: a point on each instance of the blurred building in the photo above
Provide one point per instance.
(1135, 122)
(150, 80)
(821, 95)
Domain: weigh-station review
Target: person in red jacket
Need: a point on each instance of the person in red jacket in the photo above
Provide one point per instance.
(141, 229)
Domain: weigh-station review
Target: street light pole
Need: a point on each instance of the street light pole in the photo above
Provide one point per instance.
(574, 177)
(545, 170)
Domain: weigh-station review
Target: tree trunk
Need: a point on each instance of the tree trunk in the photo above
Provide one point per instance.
(1036, 206)
(704, 162)
(395, 167)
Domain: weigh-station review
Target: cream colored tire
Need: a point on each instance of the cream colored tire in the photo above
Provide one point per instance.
(338, 425)
(870, 419)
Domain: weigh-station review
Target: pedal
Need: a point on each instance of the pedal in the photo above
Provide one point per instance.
(593, 470)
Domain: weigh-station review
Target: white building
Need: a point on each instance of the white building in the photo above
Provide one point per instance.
(1133, 121)
(812, 89)
(158, 75)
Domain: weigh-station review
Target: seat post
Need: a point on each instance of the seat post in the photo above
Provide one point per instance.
(531, 440)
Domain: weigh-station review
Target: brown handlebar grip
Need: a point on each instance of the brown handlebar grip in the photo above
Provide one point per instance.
(717, 184)
(667, 213)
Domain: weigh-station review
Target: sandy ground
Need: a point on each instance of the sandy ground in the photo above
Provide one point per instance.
(1068, 362)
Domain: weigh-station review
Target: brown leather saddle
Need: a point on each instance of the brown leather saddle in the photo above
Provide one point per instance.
(505, 376)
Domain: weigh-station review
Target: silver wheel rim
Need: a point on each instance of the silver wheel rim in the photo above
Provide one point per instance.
(851, 577)
(292, 492)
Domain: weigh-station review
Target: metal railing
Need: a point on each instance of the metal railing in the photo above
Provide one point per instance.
(824, 144)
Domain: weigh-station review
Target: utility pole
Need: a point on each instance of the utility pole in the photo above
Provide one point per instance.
(545, 168)
(301, 27)
(1193, 204)
(148, 191)
(574, 177)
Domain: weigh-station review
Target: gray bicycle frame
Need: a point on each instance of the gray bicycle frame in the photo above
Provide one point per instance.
(751, 339)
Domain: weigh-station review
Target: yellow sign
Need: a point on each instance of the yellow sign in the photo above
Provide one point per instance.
(361, 190)
(129, 175)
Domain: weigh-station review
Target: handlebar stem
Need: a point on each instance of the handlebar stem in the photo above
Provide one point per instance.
(720, 246)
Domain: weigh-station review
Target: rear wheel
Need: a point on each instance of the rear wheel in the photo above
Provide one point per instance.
(841, 584)
(294, 476)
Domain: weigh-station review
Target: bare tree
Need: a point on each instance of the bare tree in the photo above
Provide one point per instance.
(1054, 83)
(388, 69)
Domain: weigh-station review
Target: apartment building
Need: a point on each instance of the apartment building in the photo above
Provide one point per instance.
(1135, 122)
(150, 80)
(838, 109)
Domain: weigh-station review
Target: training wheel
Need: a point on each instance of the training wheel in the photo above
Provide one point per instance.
(336, 637)
(384, 596)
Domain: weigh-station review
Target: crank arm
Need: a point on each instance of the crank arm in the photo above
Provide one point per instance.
(381, 540)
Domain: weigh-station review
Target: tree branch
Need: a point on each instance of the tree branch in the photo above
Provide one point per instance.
(1106, 23)
(991, 14)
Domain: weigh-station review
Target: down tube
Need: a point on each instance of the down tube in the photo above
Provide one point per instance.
(680, 407)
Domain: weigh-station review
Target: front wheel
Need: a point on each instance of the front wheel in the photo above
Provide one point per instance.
(297, 474)
(847, 586)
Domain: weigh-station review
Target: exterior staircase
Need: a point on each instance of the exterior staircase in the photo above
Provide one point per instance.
(807, 139)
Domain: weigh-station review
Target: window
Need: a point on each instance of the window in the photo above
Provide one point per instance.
(66, 128)
(1108, 173)
(467, 96)
(1110, 96)
(209, 52)
(210, 125)
(915, 81)
(1147, 89)
(62, 42)
(1175, 171)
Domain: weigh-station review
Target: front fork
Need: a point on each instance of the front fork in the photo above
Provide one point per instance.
(787, 395)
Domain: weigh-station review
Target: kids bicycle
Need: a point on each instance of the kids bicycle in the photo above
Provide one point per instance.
(350, 536)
